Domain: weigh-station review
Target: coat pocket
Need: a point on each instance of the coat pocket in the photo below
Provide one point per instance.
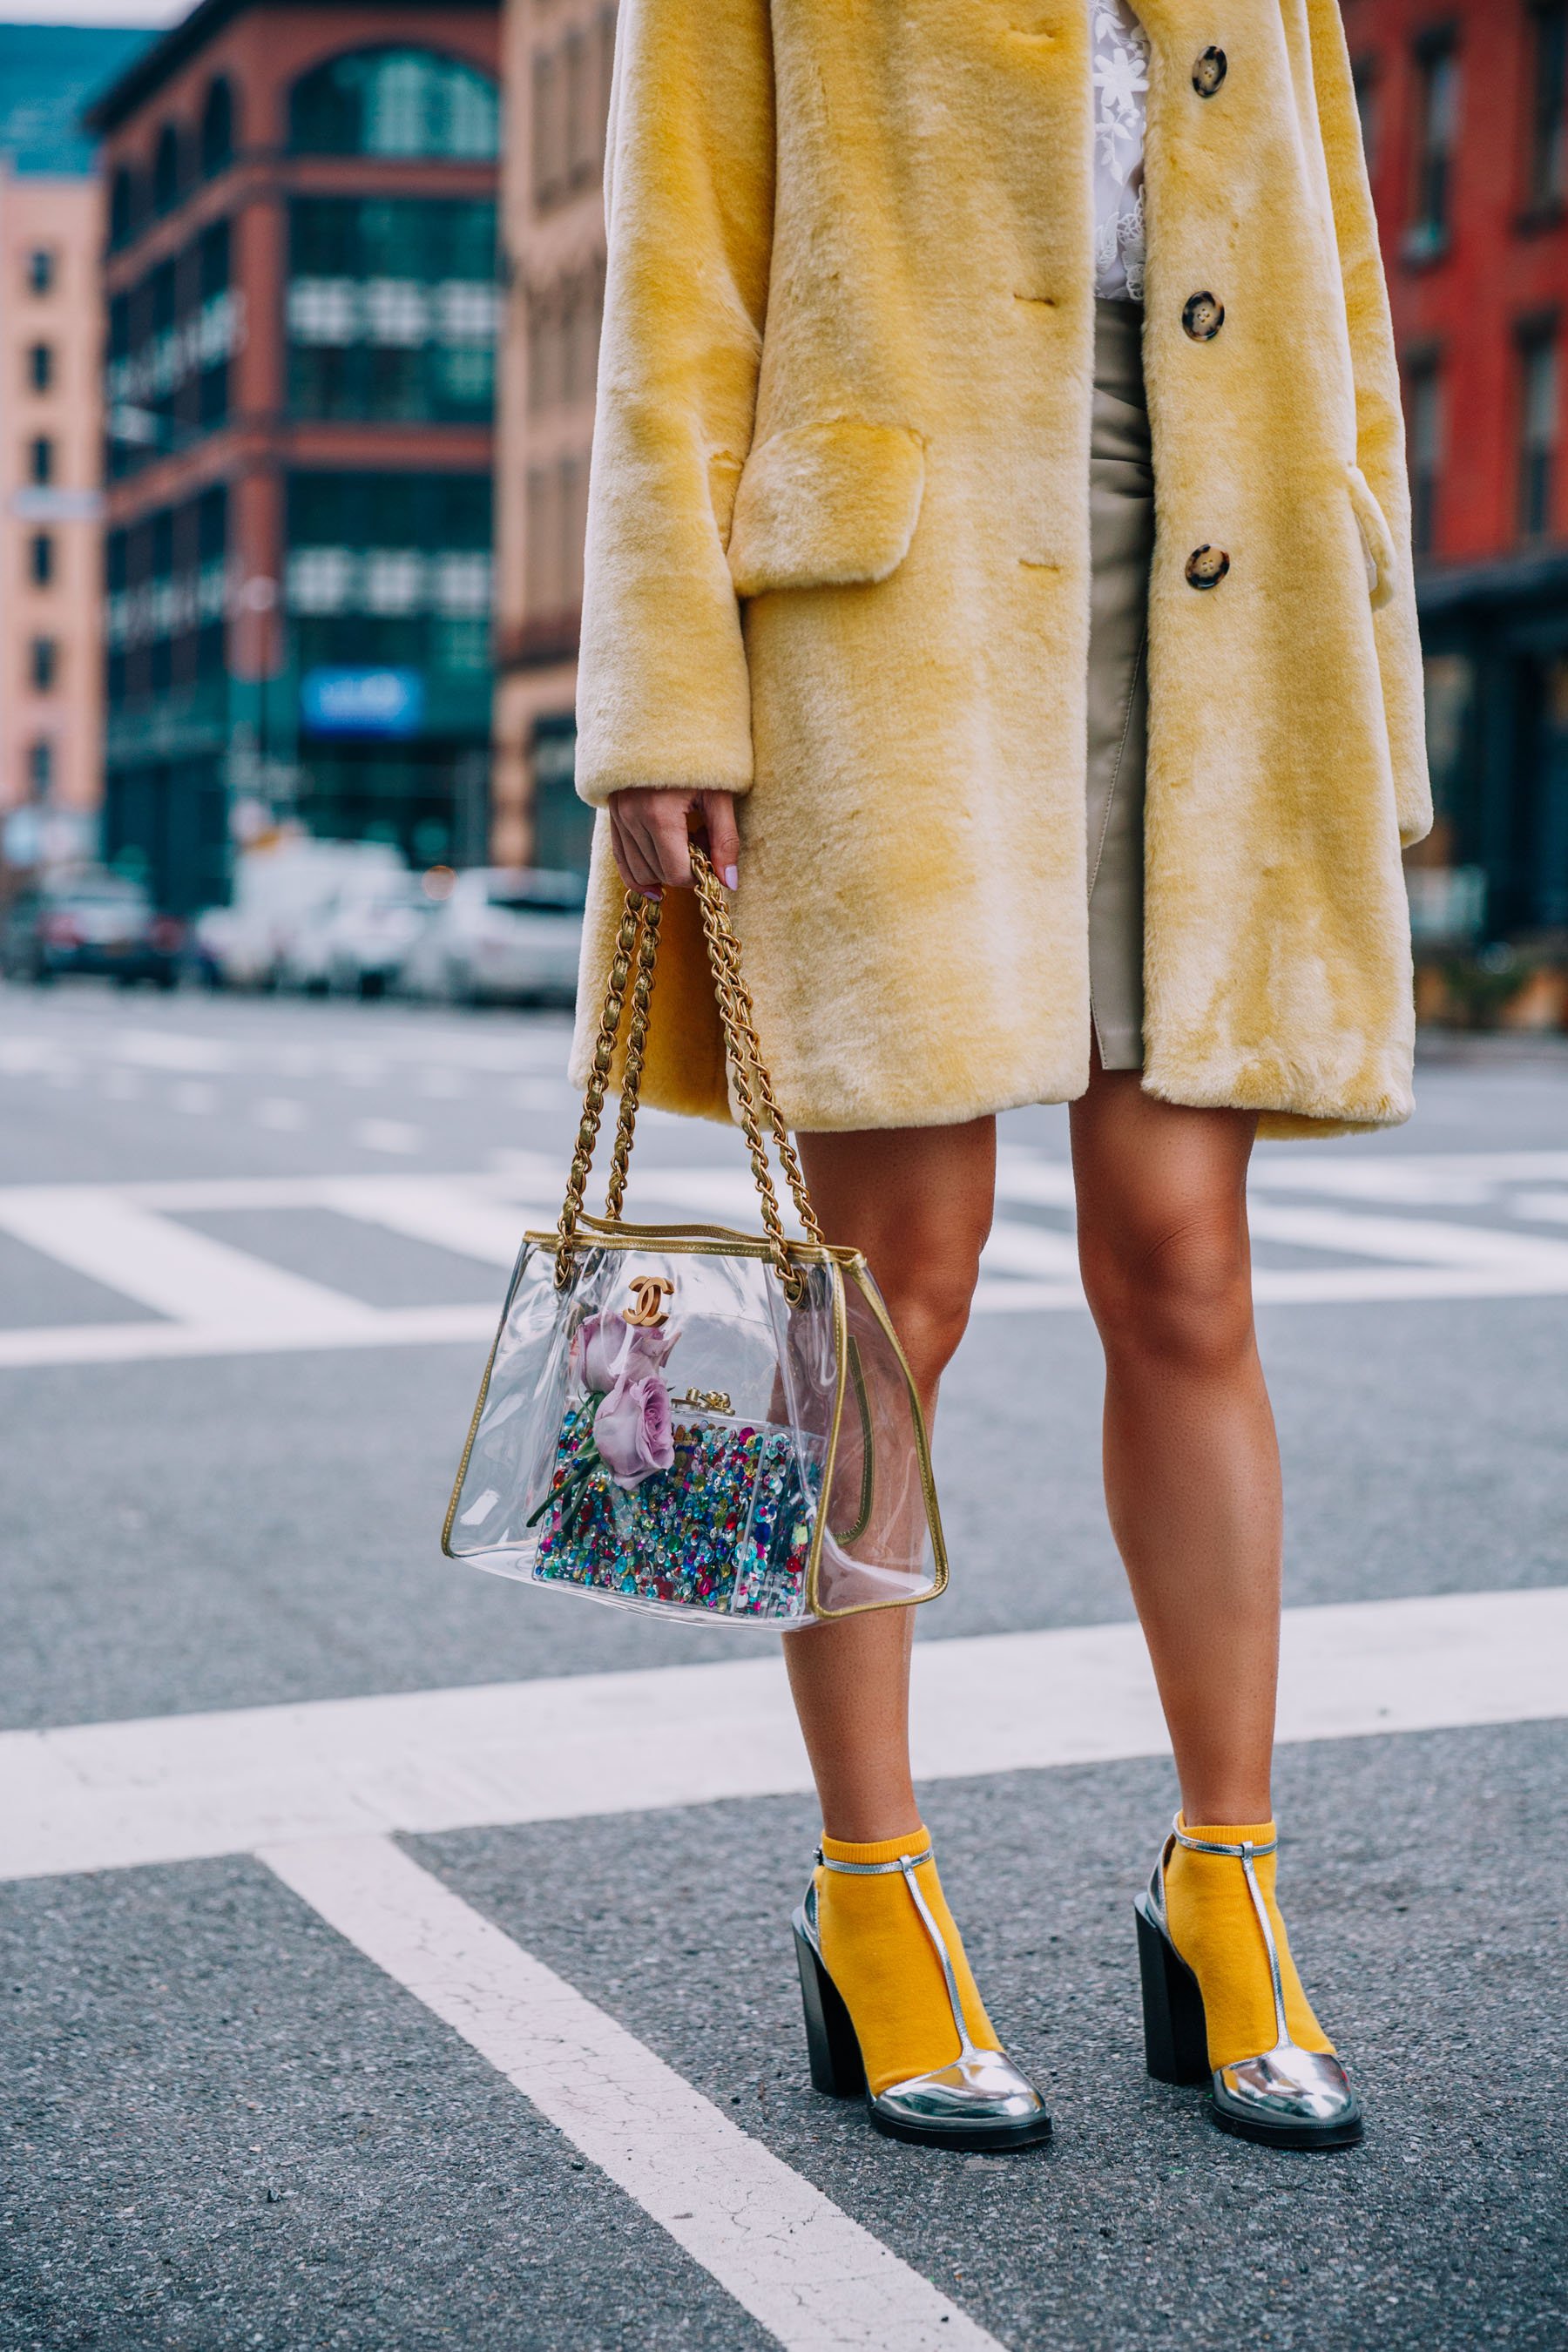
(1376, 539)
(821, 506)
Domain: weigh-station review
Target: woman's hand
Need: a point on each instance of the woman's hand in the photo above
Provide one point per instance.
(649, 836)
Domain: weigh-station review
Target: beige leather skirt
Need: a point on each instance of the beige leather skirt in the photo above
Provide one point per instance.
(1121, 534)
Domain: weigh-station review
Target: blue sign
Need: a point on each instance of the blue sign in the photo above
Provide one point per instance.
(362, 701)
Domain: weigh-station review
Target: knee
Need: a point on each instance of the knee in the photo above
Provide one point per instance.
(1179, 1294)
(928, 1287)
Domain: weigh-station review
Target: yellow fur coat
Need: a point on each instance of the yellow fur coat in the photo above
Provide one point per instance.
(839, 553)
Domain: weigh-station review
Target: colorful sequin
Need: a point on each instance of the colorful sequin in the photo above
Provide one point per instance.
(727, 1528)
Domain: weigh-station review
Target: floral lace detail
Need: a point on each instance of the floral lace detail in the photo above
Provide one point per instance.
(1119, 70)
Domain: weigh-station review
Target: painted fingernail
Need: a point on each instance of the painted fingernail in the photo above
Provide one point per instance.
(651, 893)
(731, 878)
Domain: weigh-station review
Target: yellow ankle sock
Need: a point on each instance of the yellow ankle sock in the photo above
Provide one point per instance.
(1215, 1928)
(882, 1960)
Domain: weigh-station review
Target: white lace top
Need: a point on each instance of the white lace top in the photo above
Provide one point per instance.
(1120, 65)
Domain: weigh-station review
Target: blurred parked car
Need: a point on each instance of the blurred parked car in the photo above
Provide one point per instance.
(360, 940)
(281, 893)
(501, 934)
(89, 919)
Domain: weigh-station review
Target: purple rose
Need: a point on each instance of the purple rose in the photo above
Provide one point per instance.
(632, 1429)
(613, 1350)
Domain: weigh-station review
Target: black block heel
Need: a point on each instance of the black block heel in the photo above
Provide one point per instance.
(830, 2039)
(1176, 2038)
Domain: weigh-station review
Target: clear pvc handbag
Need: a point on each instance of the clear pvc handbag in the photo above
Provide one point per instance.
(704, 1423)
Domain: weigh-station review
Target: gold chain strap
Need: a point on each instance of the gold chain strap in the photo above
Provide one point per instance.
(631, 1080)
(638, 937)
(741, 1050)
(594, 1100)
(724, 946)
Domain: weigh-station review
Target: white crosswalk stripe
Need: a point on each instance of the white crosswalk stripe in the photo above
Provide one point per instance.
(185, 1276)
(814, 2279)
(110, 1796)
(218, 1299)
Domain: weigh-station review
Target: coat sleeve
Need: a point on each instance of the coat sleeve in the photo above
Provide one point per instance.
(1380, 426)
(663, 697)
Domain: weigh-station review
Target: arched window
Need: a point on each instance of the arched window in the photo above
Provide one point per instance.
(217, 130)
(166, 170)
(121, 207)
(407, 102)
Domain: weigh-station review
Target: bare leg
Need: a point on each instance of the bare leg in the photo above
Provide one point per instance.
(918, 1201)
(1192, 1464)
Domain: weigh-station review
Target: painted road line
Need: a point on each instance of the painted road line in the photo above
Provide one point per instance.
(184, 1275)
(172, 1049)
(1329, 1286)
(452, 1216)
(814, 2279)
(224, 1301)
(1426, 1240)
(1014, 1246)
(178, 1788)
(1038, 1184)
(424, 1327)
(1548, 1208)
(1457, 1178)
(136, 1343)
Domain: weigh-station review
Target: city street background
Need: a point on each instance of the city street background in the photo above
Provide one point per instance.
(250, 1253)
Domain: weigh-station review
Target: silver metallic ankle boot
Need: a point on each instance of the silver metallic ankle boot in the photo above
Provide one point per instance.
(977, 2100)
(1286, 2096)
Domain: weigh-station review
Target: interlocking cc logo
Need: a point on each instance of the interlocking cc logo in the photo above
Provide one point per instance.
(650, 1291)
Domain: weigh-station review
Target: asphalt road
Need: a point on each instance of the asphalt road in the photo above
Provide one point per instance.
(224, 2126)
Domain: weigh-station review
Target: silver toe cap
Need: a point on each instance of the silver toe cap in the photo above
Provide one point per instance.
(981, 2090)
(1301, 2093)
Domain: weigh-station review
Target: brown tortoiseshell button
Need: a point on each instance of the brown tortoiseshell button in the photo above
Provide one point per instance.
(1203, 315)
(1207, 567)
(1209, 72)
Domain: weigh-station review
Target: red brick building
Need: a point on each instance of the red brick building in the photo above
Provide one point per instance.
(302, 316)
(1464, 116)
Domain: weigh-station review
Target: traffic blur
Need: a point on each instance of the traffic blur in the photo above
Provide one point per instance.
(314, 918)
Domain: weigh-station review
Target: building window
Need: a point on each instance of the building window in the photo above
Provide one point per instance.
(40, 367)
(166, 171)
(392, 310)
(41, 460)
(562, 826)
(43, 664)
(548, 124)
(402, 102)
(121, 208)
(1426, 455)
(564, 322)
(582, 142)
(1538, 431)
(1364, 74)
(217, 130)
(171, 339)
(40, 768)
(571, 105)
(556, 527)
(41, 559)
(165, 597)
(1549, 91)
(607, 44)
(1437, 137)
(40, 271)
(391, 570)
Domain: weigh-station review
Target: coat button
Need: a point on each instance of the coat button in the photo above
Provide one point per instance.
(1209, 72)
(1203, 315)
(1207, 567)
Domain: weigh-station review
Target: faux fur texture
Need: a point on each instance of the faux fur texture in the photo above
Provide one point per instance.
(850, 307)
